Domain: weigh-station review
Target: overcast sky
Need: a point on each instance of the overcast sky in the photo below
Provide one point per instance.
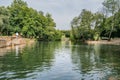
(63, 11)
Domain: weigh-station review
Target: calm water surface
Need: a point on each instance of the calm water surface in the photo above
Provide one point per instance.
(60, 61)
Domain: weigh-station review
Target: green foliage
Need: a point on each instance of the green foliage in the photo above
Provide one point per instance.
(28, 22)
(92, 26)
(4, 21)
(82, 26)
(95, 25)
(67, 33)
(112, 6)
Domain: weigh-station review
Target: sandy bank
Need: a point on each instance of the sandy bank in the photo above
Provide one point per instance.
(112, 42)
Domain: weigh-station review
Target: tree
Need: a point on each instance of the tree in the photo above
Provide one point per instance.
(29, 22)
(4, 21)
(18, 13)
(75, 28)
(117, 24)
(82, 25)
(50, 21)
(112, 6)
(98, 25)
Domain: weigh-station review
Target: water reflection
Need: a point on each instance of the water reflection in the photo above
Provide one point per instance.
(96, 62)
(60, 61)
(24, 63)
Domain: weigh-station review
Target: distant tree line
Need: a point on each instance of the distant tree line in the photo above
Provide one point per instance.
(28, 22)
(99, 25)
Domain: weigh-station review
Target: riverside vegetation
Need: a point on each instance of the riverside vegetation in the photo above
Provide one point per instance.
(30, 23)
(104, 24)
(57, 60)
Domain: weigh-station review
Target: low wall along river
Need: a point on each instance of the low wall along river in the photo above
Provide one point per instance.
(11, 41)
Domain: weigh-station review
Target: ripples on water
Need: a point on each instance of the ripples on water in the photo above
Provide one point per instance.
(60, 61)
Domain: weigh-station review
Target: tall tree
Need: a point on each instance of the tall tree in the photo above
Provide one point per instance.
(75, 28)
(29, 22)
(117, 24)
(81, 25)
(112, 6)
(98, 25)
(4, 20)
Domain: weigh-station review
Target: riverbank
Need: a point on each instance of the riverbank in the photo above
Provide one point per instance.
(6, 41)
(115, 41)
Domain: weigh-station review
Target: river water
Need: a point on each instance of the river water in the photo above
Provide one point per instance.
(60, 61)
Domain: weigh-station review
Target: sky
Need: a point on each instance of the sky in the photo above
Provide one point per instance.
(62, 11)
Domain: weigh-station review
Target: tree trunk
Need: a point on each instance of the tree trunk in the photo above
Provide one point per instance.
(109, 39)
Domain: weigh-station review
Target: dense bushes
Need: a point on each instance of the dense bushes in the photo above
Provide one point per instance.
(27, 22)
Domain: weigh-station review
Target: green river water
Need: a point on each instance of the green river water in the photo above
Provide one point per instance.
(60, 61)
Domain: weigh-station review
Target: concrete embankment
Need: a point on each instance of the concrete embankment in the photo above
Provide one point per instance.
(12, 41)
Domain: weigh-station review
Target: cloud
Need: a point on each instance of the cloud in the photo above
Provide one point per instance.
(5, 2)
(63, 11)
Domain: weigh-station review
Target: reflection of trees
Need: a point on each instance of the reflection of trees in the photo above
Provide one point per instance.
(110, 57)
(83, 58)
(96, 59)
(36, 57)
